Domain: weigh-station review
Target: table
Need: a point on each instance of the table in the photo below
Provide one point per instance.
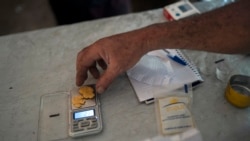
(43, 61)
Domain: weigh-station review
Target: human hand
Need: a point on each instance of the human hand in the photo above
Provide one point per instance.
(115, 54)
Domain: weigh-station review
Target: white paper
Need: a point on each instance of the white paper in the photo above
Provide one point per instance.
(176, 75)
(152, 70)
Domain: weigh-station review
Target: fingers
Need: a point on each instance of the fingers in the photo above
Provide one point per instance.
(94, 71)
(102, 64)
(86, 60)
(81, 76)
(100, 53)
(106, 79)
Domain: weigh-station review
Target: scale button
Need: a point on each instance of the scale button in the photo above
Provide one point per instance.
(76, 129)
(85, 123)
(79, 129)
(177, 14)
(75, 124)
(91, 118)
(92, 126)
(94, 120)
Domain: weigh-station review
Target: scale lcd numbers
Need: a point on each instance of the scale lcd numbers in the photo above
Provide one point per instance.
(83, 114)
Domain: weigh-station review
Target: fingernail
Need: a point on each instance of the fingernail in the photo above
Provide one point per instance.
(99, 89)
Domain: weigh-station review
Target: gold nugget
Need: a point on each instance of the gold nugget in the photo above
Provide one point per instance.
(78, 101)
(87, 92)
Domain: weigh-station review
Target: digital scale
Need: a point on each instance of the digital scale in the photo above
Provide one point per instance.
(59, 119)
(87, 119)
(179, 10)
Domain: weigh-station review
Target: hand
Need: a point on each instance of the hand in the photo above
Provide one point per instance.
(115, 54)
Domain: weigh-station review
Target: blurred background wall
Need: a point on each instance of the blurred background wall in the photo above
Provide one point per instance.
(26, 15)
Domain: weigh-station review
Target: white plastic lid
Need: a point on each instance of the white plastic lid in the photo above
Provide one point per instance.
(53, 118)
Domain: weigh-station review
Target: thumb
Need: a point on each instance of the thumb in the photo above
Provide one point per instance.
(106, 79)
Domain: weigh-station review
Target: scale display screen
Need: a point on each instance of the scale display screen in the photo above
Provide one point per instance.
(84, 114)
(185, 7)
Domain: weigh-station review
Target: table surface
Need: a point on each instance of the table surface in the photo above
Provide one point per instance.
(43, 61)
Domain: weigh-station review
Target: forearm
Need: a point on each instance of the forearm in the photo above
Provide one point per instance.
(226, 30)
